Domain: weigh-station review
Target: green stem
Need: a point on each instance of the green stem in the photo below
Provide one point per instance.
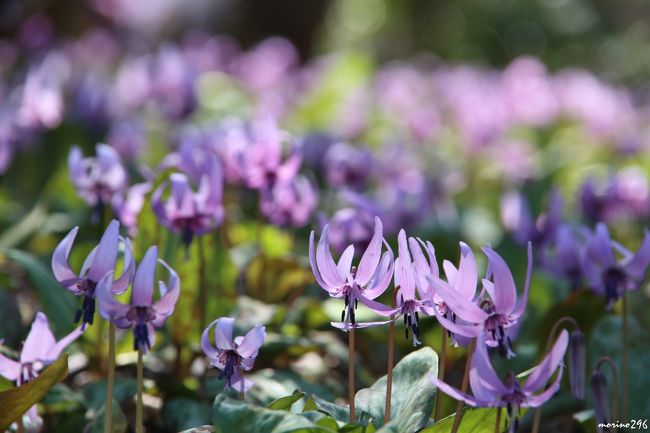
(497, 425)
(389, 372)
(441, 373)
(203, 290)
(463, 387)
(351, 374)
(138, 403)
(624, 362)
(108, 416)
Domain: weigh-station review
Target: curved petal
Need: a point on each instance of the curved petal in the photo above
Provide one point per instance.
(223, 333)
(422, 267)
(466, 330)
(106, 254)
(467, 275)
(325, 262)
(543, 372)
(9, 369)
(404, 278)
(637, 266)
(109, 307)
(169, 294)
(453, 392)
(381, 280)
(314, 267)
(375, 306)
(370, 259)
(209, 350)
(464, 308)
(523, 300)
(238, 382)
(60, 266)
(345, 261)
(143, 283)
(345, 326)
(486, 381)
(504, 295)
(39, 342)
(64, 342)
(122, 283)
(599, 248)
(540, 399)
(252, 342)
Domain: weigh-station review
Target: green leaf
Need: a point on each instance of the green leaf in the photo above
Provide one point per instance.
(285, 403)
(182, 413)
(413, 393)
(59, 305)
(480, 420)
(231, 415)
(96, 423)
(16, 401)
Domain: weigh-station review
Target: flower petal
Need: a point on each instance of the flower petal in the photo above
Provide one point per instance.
(39, 342)
(504, 295)
(9, 369)
(143, 283)
(404, 278)
(547, 367)
(325, 262)
(223, 333)
(209, 350)
(169, 294)
(239, 383)
(381, 280)
(106, 254)
(64, 342)
(453, 392)
(122, 283)
(637, 266)
(314, 266)
(465, 308)
(523, 300)
(109, 307)
(60, 266)
(370, 259)
(540, 399)
(345, 261)
(464, 329)
(252, 342)
(484, 381)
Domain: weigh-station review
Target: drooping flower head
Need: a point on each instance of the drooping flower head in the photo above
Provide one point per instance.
(490, 391)
(98, 180)
(98, 263)
(609, 275)
(493, 314)
(562, 257)
(40, 350)
(142, 315)
(364, 282)
(190, 212)
(231, 355)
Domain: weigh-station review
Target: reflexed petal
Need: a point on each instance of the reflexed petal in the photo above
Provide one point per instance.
(485, 380)
(325, 262)
(181, 195)
(223, 333)
(453, 392)
(239, 383)
(375, 306)
(109, 307)
(143, 283)
(466, 330)
(60, 266)
(370, 259)
(122, 283)
(637, 266)
(314, 267)
(465, 308)
(404, 278)
(9, 369)
(599, 248)
(547, 367)
(64, 342)
(523, 300)
(540, 399)
(422, 267)
(345, 261)
(209, 350)
(381, 280)
(252, 342)
(40, 341)
(467, 275)
(346, 326)
(106, 254)
(504, 295)
(168, 296)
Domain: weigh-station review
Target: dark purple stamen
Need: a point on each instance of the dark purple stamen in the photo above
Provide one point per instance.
(230, 359)
(614, 280)
(86, 313)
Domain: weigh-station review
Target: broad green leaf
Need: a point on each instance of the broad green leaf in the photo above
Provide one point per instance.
(183, 413)
(285, 403)
(96, 423)
(231, 415)
(413, 393)
(58, 304)
(480, 420)
(16, 401)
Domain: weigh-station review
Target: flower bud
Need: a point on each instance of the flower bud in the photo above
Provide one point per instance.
(577, 358)
(601, 401)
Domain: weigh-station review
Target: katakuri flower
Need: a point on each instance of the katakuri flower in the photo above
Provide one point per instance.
(289, 203)
(188, 212)
(98, 263)
(490, 391)
(493, 314)
(40, 350)
(143, 315)
(364, 282)
(608, 275)
(231, 355)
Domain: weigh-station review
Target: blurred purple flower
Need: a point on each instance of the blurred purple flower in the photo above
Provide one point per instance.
(608, 275)
(188, 212)
(173, 83)
(562, 257)
(127, 206)
(98, 263)
(290, 202)
(128, 137)
(492, 315)
(143, 315)
(41, 104)
(350, 226)
(231, 355)
(97, 180)
(205, 52)
(347, 166)
(364, 282)
(133, 83)
(266, 64)
(490, 391)
(516, 217)
(39, 350)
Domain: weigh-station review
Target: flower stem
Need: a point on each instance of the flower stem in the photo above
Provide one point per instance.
(351, 374)
(203, 290)
(609, 361)
(497, 425)
(241, 395)
(20, 428)
(549, 342)
(624, 361)
(99, 345)
(108, 416)
(441, 373)
(463, 387)
(389, 372)
(138, 402)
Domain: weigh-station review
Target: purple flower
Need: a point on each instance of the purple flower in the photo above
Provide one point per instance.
(364, 282)
(266, 65)
(490, 391)
(232, 356)
(188, 212)
(563, 256)
(608, 275)
(492, 315)
(97, 180)
(173, 83)
(143, 315)
(350, 226)
(42, 95)
(127, 206)
(516, 217)
(347, 166)
(289, 203)
(98, 263)
(40, 350)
